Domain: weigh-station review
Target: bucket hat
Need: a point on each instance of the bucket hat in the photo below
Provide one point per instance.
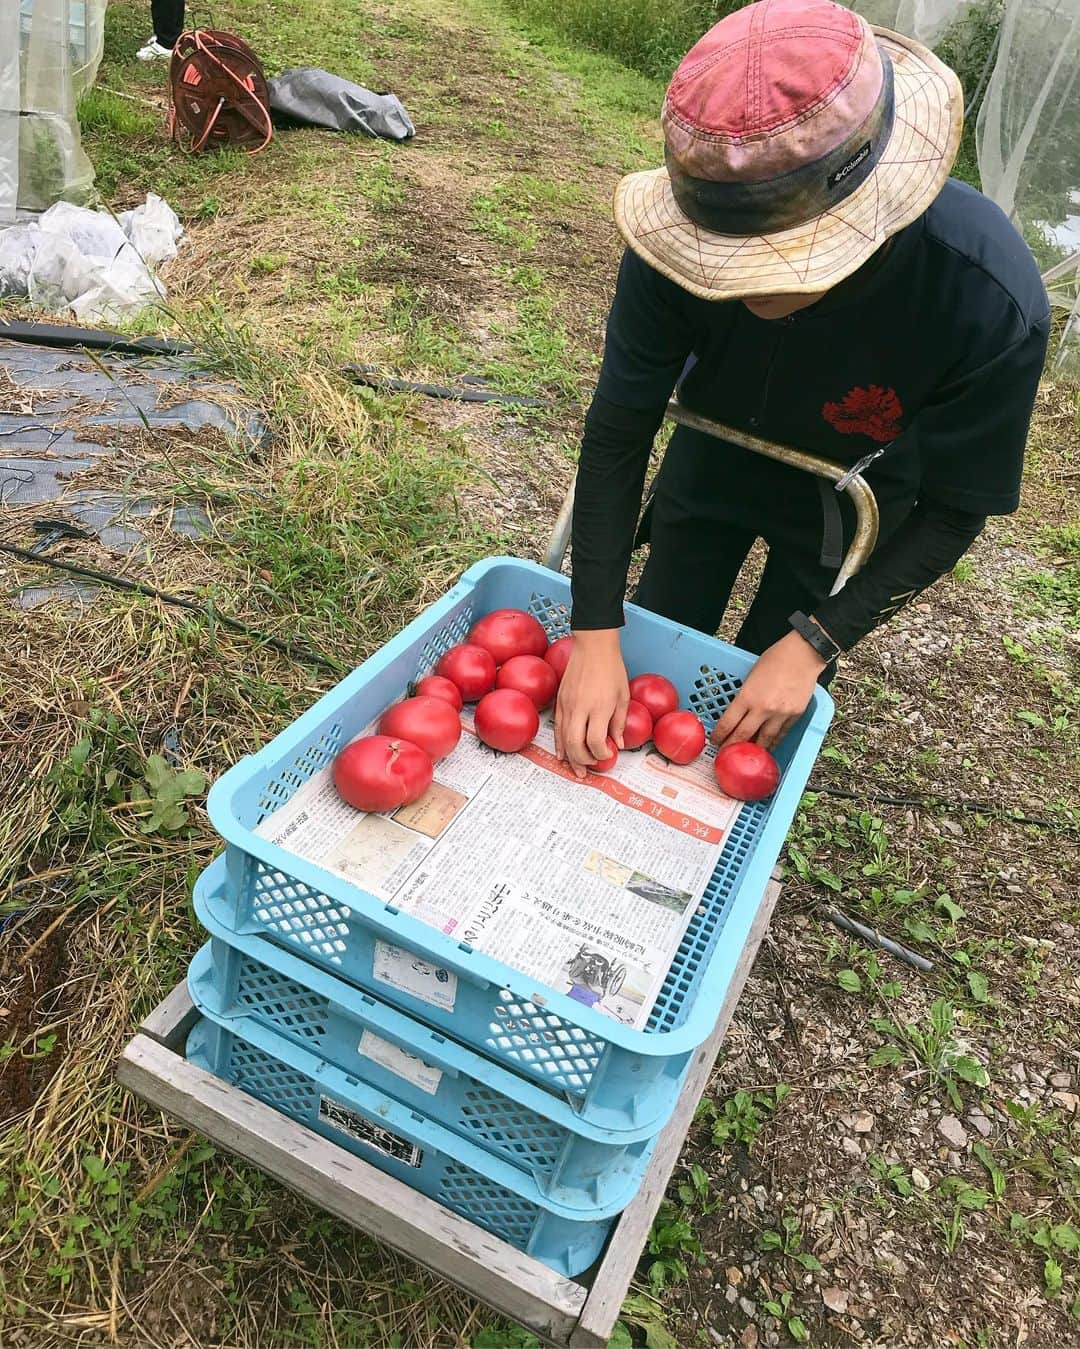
(798, 138)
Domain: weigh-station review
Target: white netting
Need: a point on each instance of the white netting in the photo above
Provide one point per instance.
(49, 55)
(926, 20)
(1029, 143)
(1020, 61)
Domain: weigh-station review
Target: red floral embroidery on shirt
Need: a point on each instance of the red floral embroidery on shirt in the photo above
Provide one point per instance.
(873, 412)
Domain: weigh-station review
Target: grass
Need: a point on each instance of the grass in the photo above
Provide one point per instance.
(487, 248)
(646, 35)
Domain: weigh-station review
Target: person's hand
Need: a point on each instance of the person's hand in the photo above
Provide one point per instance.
(592, 700)
(774, 695)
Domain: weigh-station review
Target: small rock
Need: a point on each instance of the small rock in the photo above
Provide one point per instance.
(772, 1338)
(1017, 1072)
(851, 1148)
(919, 1179)
(716, 1337)
(749, 1338)
(734, 1274)
(761, 1197)
(1068, 1099)
(864, 1122)
(1067, 930)
(980, 1123)
(1061, 1080)
(952, 1131)
(731, 1295)
(835, 1299)
(747, 1307)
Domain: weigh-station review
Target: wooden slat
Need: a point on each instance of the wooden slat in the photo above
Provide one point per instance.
(612, 1279)
(521, 1288)
(171, 1020)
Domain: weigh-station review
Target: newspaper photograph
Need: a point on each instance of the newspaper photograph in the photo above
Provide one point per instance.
(585, 886)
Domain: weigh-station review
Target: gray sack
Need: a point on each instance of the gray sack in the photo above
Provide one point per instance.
(317, 98)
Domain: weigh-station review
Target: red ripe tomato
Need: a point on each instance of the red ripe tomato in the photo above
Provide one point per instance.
(529, 675)
(655, 693)
(639, 725)
(606, 765)
(679, 736)
(382, 773)
(746, 771)
(430, 723)
(471, 668)
(558, 655)
(509, 632)
(506, 719)
(436, 686)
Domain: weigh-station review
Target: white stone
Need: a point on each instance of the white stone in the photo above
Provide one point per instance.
(980, 1123)
(952, 1131)
(835, 1299)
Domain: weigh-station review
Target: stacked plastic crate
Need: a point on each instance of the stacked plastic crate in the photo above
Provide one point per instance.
(516, 1106)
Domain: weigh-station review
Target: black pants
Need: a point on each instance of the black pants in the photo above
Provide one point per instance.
(168, 19)
(711, 501)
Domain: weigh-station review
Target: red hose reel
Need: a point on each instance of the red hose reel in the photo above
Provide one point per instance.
(219, 93)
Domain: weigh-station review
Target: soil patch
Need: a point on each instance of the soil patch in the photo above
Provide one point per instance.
(34, 998)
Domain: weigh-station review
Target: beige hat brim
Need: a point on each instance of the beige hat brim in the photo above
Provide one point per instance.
(817, 255)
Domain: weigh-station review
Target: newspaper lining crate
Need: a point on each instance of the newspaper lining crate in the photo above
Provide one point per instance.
(578, 1165)
(613, 1076)
(401, 1141)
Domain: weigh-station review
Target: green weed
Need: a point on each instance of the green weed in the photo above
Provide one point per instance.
(741, 1118)
(934, 1050)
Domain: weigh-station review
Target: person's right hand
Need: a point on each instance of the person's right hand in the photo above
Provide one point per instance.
(592, 700)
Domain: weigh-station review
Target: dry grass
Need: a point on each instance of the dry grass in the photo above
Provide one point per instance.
(444, 256)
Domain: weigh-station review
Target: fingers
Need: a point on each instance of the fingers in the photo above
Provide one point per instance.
(577, 749)
(772, 731)
(597, 737)
(618, 725)
(729, 722)
(747, 728)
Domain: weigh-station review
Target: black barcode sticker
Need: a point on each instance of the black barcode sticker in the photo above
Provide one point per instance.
(349, 1122)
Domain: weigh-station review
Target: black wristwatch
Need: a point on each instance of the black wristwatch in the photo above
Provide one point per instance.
(816, 635)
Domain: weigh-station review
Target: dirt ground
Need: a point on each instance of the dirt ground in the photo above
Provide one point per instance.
(885, 1157)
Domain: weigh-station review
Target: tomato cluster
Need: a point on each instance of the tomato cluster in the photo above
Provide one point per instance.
(507, 668)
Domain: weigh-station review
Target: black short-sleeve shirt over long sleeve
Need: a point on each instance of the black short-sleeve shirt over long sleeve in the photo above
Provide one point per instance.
(933, 349)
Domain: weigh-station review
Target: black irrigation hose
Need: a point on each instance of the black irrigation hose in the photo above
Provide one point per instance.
(928, 803)
(93, 339)
(297, 653)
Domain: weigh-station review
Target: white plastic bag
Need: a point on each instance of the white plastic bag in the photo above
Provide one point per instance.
(18, 244)
(154, 230)
(58, 273)
(94, 233)
(123, 288)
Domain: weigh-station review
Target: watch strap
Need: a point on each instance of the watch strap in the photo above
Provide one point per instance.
(815, 634)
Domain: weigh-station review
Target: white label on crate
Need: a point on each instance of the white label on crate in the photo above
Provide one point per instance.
(400, 1062)
(374, 1136)
(406, 971)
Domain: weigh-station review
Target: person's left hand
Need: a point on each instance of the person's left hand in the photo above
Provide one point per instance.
(774, 695)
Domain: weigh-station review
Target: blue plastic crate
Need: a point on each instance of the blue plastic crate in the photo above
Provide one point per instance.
(402, 1142)
(237, 979)
(614, 1076)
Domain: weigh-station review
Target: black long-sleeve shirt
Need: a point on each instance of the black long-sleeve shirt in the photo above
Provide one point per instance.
(934, 350)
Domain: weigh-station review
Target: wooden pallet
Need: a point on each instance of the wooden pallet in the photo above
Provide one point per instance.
(569, 1313)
